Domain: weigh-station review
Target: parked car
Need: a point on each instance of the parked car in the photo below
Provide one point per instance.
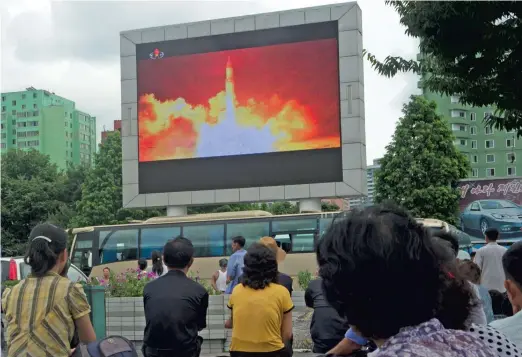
(504, 215)
(23, 270)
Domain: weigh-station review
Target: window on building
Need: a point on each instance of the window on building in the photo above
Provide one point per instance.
(458, 114)
(487, 114)
(455, 98)
(155, 239)
(23, 106)
(4, 135)
(3, 98)
(474, 172)
(208, 239)
(510, 143)
(490, 144)
(23, 96)
(474, 159)
(14, 141)
(13, 121)
(490, 172)
(473, 130)
(490, 158)
(2, 126)
(22, 134)
(70, 116)
(3, 145)
(14, 131)
(463, 142)
(118, 245)
(35, 106)
(512, 171)
(35, 95)
(66, 114)
(251, 231)
(511, 158)
(472, 116)
(488, 130)
(4, 108)
(13, 102)
(13, 112)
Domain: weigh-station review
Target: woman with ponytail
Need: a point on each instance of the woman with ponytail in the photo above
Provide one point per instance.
(157, 263)
(44, 311)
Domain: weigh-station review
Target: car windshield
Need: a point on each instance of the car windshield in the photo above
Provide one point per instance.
(497, 204)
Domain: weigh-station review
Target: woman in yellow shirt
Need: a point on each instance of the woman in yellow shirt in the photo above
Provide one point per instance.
(44, 310)
(261, 318)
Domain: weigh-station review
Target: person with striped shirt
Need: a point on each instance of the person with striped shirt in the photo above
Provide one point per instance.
(44, 310)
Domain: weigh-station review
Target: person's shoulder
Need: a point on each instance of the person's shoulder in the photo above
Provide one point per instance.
(278, 289)
(501, 323)
(196, 286)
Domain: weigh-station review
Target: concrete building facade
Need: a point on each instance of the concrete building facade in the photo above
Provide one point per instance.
(492, 153)
(370, 182)
(104, 133)
(41, 120)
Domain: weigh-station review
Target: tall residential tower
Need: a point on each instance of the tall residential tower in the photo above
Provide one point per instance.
(41, 120)
(492, 153)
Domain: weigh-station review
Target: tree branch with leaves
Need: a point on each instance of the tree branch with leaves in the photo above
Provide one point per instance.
(469, 48)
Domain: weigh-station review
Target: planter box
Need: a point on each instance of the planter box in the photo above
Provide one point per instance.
(125, 317)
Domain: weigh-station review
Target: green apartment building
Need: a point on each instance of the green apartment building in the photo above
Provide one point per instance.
(492, 153)
(40, 120)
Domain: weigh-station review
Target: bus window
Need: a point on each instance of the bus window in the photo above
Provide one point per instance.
(119, 245)
(208, 239)
(251, 231)
(324, 224)
(285, 225)
(302, 242)
(155, 239)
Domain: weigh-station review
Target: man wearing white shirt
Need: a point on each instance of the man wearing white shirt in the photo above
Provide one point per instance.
(489, 259)
(512, 263)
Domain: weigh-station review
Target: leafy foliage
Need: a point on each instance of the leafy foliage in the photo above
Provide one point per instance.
(470, 48)
(421, 167)
(31, 191)
(101, 201)
(304, 278)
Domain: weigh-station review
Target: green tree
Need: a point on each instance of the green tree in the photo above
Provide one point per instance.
(421, 167)
(32, 190)
(470, 48)
(101, 195)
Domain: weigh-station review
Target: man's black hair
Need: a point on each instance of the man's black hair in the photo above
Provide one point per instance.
(239, 240)
(178, 253)
(450, 239)
(142, 264)
(512, 263)
(492, 234)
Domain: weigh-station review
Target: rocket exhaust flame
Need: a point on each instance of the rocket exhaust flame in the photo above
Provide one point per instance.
(175, 129)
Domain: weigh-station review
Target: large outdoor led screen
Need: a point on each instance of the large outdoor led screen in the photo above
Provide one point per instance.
(240, 110)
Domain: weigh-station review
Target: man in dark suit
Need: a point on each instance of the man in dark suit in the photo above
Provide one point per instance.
(175, 306)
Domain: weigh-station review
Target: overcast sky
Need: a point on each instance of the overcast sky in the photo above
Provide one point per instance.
(72, 49)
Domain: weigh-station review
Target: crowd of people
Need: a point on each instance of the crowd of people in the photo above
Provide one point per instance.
(386, 286)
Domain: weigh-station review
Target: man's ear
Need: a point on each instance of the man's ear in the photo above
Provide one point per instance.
(190, 263)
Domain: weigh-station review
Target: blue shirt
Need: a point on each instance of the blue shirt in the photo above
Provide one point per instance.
(235, 269)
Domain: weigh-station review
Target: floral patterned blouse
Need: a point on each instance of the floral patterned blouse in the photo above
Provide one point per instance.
(431, 339)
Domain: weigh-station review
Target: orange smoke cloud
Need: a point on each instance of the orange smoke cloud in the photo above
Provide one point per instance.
(170, 129)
